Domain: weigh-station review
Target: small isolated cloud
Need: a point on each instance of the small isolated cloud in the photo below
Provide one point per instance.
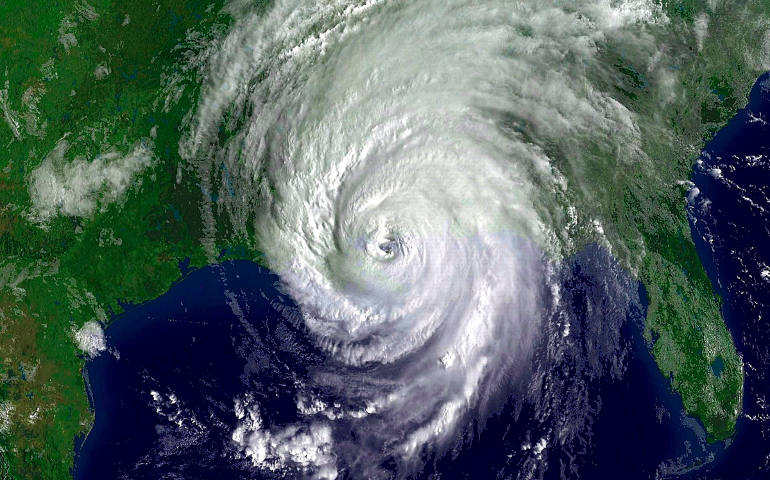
(701, 29)
(765, 52)
(6, 409)
(83, 13)
(66, 36)
(76, 188)
(90, 339)
(102, 72)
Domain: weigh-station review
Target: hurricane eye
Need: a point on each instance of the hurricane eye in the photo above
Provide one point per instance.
(384, 244)
(387, 247)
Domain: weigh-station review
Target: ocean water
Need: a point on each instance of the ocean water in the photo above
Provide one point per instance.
(163, 394)
(165, 391)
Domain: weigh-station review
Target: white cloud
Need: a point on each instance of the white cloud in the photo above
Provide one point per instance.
(701, 29)
(8, 114)
(66, 38)
(611, 14)
(78, 187)
(83, 12)
(101, 72)
(6, 409)
(86, 12)
(304, 447)
(765, 52)
(90, 339)
(413, 172)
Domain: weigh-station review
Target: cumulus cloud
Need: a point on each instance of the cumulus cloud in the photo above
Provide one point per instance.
(701, 27)
(307, 448)
(6, 409)
(78, 187)
(764, 57)
(90, 339)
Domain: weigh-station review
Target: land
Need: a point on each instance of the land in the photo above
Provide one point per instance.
(684, 322)
(99, 88)
(93, 75)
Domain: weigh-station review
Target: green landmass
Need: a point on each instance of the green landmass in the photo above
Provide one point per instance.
(102, 92)
(684, 319)
(93, 75)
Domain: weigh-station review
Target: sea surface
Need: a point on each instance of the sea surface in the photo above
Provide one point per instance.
(163, 393)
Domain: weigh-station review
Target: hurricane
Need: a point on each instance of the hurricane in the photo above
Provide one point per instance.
(409, 170)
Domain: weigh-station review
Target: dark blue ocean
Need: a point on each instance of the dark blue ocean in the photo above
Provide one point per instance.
(163, 393)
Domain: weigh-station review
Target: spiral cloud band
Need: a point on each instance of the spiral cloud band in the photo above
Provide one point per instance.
(401, 164)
